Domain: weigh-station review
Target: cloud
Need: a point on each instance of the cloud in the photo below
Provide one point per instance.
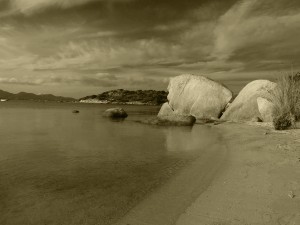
(96, 43)
(25, 80)
(14, 56)
(29, 7)
(269, 35)
(100, 80)
(104, 55)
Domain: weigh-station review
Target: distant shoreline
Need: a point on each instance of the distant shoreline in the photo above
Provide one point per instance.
(95, 101)
(82, 102)
(36, 100)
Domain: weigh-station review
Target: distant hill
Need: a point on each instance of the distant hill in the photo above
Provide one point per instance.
(121, 96)
(31, 96)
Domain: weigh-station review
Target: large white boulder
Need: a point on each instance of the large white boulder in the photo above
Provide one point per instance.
(245, 107)
(265, 108)
(197, 96)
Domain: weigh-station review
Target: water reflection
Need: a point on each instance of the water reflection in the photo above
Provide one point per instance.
(194, 138)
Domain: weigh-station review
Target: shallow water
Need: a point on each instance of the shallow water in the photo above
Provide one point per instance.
(61, 168)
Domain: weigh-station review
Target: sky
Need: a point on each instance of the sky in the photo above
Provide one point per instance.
(81, 47)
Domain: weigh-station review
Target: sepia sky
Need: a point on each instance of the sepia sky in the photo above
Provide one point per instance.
(81, 47)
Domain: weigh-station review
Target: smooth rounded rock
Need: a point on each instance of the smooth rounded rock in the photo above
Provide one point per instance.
(197, 96)
(265, 108)
(115, 113)
(245, 107)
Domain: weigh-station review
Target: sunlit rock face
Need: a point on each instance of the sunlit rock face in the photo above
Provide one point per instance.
(265, 108)
(197, 96)
(245, 107)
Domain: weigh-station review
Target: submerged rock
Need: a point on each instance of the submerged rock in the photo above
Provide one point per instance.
(265, 108)
(115, 113)
(161, 122)
(167, 116)
(75, 111)
(245, 107)
(197, 96)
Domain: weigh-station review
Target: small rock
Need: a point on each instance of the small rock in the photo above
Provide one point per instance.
(217, 122)
(256, 119)
(115, 113)
(291, 194)
(75, 111)
(162, 122)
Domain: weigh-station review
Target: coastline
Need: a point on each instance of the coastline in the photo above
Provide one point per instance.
(246, 182)
(105, 102)
(166, 203)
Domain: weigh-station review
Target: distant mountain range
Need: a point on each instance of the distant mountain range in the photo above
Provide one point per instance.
(121, 96)
(31, 96)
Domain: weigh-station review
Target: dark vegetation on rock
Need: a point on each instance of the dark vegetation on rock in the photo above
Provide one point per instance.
(31, 96)
(150, 97)
(283, 121)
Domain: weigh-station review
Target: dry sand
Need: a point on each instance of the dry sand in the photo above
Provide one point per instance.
(252, 177)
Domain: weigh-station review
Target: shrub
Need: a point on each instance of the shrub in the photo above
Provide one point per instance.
(286, 99)
(283, 121)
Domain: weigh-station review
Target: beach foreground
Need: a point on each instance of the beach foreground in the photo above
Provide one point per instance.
(252, 178)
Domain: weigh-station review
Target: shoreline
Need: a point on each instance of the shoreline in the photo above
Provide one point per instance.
(91, 101)
(168, 202)
(254, 180)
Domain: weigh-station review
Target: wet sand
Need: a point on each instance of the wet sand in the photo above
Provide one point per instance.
(251, 177)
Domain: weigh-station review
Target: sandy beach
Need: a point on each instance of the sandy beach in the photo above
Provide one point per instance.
(252, 177)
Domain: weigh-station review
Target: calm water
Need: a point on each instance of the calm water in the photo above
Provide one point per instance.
(61, 168)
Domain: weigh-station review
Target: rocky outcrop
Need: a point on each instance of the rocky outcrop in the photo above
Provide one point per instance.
(265, 108)
(121, 96)
(245, 107)
(166, 115)
(197, 96)
(115, 113)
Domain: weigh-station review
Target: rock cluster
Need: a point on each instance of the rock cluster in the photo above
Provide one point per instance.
(197, 97)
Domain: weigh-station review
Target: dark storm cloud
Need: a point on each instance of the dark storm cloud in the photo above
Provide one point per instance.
(141, 43)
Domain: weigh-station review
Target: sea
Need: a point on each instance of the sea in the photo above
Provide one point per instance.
(62, 168)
